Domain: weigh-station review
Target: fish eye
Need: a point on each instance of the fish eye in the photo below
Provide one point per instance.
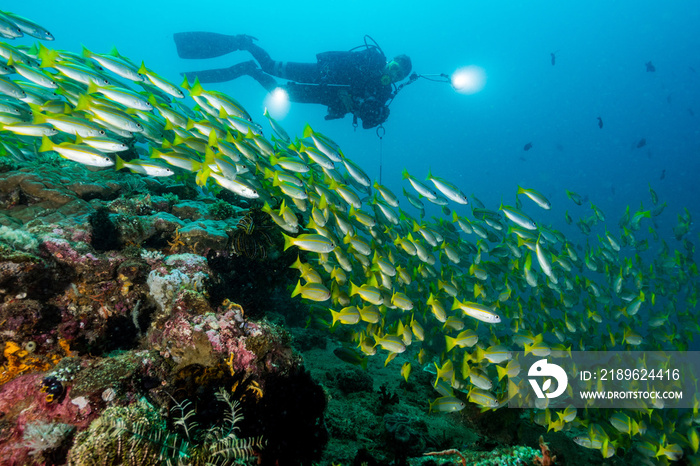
(102, 132)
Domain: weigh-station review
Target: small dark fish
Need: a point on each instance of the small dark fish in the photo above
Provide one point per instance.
(523, 159)
(554, 58)
(650, 67)
(654, 196)
(669, 99)
(527, 146)
(642, 142)
(559, 147)
(691, 69)
(663, 174)
(351, 356)
(692, 113)
(600, 123)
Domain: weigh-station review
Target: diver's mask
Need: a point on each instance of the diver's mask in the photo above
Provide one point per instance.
(392, 73)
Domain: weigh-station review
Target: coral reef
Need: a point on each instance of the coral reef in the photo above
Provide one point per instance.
(138, 435)
(84, 286)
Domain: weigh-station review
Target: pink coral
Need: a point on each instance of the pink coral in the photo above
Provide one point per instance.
(215, 340)
(22, 403)
(179, 330)
(241, 358)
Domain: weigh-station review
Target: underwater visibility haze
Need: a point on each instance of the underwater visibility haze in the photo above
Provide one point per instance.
(199, 272)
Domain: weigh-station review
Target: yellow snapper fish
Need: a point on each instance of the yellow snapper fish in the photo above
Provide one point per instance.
(391, 343)
(27, 26)
(161, 83)
(449, 190)
(369, 293)
(477, 311)
(324, 144)
(420, 188)
(447, 404)
(237, 186)
(348, 315)
(144, 167)
(277, 128)
(116, 64)
(77, 153)
(518, 217)
(536, 197)
(465, 338)
(313, 292)
(309, 242)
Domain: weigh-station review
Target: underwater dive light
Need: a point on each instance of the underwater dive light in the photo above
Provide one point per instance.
(277, 103)
(468, 79)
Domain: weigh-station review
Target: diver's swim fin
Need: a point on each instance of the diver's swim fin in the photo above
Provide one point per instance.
(222, 74)
(208, 44)
(248, 68)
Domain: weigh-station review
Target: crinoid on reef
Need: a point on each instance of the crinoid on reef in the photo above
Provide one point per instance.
(251, 238)
(138, 435)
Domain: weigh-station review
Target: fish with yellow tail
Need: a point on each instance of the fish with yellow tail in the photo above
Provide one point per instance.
(406, 370)
(368, 293)
(420, 188)
(537, 197)
(451, 191)
(466, 338)
(313, 292)
(348, 315)
(447, 404)
(477, 311)
(391, 343)
(77, 153)
(309, 242)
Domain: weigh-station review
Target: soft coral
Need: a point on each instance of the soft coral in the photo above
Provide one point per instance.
(546, 459)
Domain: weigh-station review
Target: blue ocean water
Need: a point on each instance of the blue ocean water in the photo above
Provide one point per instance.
(477, 140)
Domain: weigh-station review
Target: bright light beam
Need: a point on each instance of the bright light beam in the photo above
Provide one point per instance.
(469, 79)
(277, 103)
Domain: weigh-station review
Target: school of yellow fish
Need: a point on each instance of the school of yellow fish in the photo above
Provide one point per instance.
(461, 291)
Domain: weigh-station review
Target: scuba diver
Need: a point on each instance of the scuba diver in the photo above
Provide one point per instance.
(359, 81)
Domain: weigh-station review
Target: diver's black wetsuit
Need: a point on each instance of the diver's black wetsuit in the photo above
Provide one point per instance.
(345, 82)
